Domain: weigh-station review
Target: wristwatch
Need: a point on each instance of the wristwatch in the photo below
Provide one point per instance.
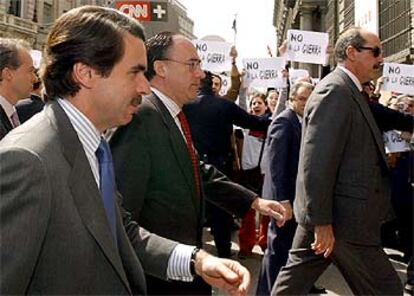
(192, 261)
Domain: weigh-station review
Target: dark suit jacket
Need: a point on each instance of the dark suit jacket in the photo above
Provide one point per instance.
(282, 144)
(5, 124)
(55, 238)
(28, 107)
(155, 176)
(211, 120)
(343, 177)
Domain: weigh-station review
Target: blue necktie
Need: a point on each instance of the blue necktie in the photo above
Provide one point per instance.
(107, 183)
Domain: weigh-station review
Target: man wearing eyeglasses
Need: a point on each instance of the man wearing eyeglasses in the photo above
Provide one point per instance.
(159, 174)
(342, 188)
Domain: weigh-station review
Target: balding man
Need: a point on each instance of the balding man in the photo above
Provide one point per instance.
(342, 189)
(16, 80)
(159, 174)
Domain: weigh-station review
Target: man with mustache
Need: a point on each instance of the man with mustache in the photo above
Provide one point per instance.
(342, 188)
(62, 231)
(159, 174)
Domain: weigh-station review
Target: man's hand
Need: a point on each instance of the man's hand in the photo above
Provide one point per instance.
(233, 52)
(289, 210)
(270, 208)
(225, 274)
(324, 240)
(283, 48)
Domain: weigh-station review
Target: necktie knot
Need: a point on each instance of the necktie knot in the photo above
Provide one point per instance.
(103, 153)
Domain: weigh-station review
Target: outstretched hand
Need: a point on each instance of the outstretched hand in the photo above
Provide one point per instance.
(272, 209)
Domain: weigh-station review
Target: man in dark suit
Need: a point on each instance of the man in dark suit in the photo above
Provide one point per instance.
(16, 80)
(158, 172)
(61, 229)
(342, 189)
(211, 121)
(283, 143)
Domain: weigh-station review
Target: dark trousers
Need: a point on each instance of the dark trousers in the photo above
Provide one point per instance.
(366, 269)
(279, 242)
(157, 286)
(221, 223)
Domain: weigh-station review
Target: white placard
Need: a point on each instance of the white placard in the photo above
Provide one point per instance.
(394, 143)
(36, 57)
(366, 15)
(264, 72)
(214, 55)
(225, 83)
(399, 78)
(307, 46)
(295, 74)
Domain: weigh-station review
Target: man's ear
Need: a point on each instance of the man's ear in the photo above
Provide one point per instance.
(84, 75)
(6, 74)
(350, 53)
(160, 68)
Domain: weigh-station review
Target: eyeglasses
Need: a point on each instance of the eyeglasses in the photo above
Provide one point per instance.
(193, 64)
(376, 51)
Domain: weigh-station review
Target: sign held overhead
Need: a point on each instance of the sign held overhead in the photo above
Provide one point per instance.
(307, 46)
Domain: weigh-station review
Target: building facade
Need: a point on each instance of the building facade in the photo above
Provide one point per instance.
(30, 19)
(395, 23)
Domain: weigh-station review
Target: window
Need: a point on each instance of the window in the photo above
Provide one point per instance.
(15, 7)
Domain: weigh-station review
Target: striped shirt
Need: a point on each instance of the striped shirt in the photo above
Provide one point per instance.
(89, 136)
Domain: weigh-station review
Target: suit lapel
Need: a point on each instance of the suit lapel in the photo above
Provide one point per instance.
(84, 190)
(178, 145)
(5, 120)
(366, 112)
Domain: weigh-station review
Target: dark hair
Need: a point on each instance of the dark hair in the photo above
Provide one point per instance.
(157, 47)
(351, 37)
(216, 76)
(89, 34)
(206, 84)
(9, 53)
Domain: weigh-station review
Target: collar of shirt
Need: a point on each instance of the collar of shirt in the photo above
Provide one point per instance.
(171, 106)
(8, 108)
(352, 76)
(168, 102)
(88, 134)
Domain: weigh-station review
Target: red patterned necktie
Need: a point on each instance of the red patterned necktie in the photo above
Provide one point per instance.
(187, 134)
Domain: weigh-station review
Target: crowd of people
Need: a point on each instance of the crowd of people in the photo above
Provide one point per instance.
(118, 152)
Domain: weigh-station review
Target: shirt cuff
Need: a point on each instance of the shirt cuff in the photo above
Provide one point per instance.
(179, 264)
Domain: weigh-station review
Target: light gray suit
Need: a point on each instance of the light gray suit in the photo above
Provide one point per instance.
(342, 180)
(55, 238)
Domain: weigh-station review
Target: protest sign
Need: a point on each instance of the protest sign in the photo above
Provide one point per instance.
(36, 57)
(307, 46)
(398, 78)
(264, 72)
(394, 143)
(214, 55)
